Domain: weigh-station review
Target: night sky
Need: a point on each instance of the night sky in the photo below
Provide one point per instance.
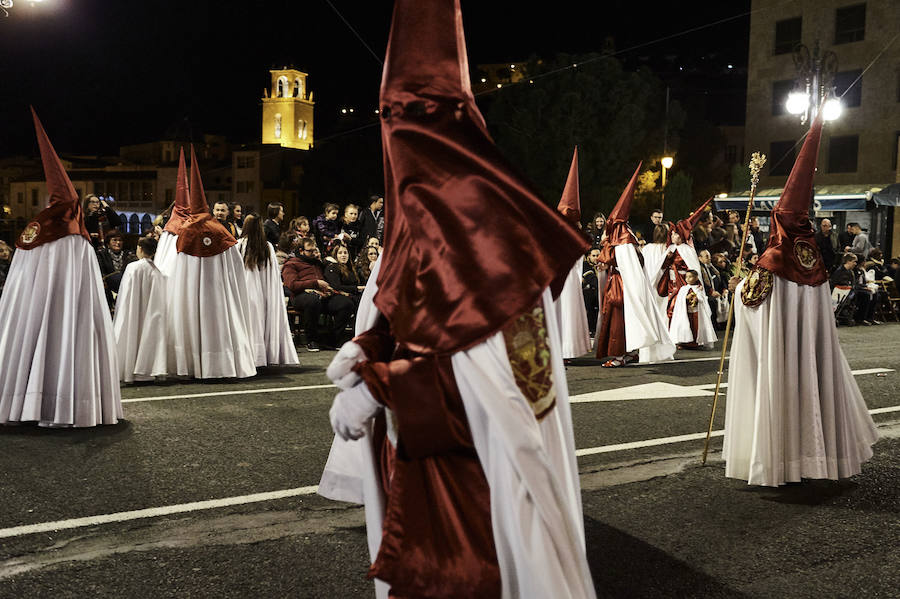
(104, 73)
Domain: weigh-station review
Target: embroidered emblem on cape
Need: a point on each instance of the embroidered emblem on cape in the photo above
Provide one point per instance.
(30, 233)
(207, 241)
(807, 255)
(757, 287)
(691, 301)
(529, 355)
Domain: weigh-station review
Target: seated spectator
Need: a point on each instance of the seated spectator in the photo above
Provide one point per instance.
(285, 248)
(342, 276)
(100, 220)
(849, 275)
(372, 242)
(326, 225)
(113, 260)
(272, 226)
(304, 277)
(299, 227)
(5, 260)
(364, 263)
(350, 230)
(371, 220)
(876, 264)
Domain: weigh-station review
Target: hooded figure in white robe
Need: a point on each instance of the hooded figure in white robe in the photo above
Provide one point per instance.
(479, 497)
(57, 345)
(270, 331)
(209, 308)
(570, 310)
(141, 325)
(794, 410)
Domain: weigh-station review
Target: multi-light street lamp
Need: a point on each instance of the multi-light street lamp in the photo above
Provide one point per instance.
(815, 82)
(5, 5)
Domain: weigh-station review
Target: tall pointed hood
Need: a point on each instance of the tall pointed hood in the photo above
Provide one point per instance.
(685, 227)
(180, 210)
(458, 216)
(202, 235)
(617, 230)
(792, 252)
(64, 215)
(570, 203)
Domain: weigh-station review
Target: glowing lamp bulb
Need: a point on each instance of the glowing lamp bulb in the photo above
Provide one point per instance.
(797, 102)
(832, 109)
(667, 162)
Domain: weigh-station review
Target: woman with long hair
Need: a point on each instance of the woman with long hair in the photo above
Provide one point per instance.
(596, 228)
(342, 276)
(364, 263)
(269, 329)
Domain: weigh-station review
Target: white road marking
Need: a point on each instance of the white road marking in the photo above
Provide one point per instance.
(660, 390)
(155, 512)
(223, 393)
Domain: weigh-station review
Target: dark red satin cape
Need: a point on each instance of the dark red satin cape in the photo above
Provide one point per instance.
(611, 336)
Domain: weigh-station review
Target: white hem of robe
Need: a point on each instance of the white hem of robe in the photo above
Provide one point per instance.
(794, 409)
(166, 250)
(270, 331)
(141, 324)
(572, 316)
(57, 347)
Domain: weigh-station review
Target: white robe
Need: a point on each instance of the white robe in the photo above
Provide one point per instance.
(57, 348)
(654, 254)
(572, 315)
(166, 251)
(141, 325)
(209, 317)
(680, 325)
(270, 331)
(794, 410)
(645, 330)
(530, 467)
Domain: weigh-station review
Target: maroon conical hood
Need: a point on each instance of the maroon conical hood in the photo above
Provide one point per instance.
(570, 203)
(63, 216)
(181, 210)
(685, 227)
(202, 235)
(457, 215)
(617, 230)
(792, 252)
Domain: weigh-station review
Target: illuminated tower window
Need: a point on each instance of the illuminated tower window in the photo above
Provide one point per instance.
(277, 126)
(282, 86)
(297, 88)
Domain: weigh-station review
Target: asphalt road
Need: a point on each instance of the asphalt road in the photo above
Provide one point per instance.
(658, 524)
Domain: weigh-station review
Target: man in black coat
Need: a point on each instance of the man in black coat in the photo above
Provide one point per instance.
(827, 241)
(371, 221)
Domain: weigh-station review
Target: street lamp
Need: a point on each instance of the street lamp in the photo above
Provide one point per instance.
(666, 165)
(815, 77)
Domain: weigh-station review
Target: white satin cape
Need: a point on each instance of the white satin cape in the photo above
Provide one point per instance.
(572, 315)
(654, 254)
(680, 325)
(57, 348)
(530, 467)
(209, 321)
(140, 325)
(645, 330)
(794, 410)
(270, 332)
(166, 250)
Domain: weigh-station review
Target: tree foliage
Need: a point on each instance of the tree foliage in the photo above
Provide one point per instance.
(615, 116)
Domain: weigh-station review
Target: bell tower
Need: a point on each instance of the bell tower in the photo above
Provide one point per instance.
(287, 111)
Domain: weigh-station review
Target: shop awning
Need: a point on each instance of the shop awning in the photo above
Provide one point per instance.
(828, 198)
(889, 196)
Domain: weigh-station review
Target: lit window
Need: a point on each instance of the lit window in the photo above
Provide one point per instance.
(277, 126)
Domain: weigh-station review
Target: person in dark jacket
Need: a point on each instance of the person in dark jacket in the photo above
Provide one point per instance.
(113, 259)
(304, 278)
(5, 260)
(342, 275)
(100, 220)
(826, 240)
(351, 230)
(326, 226)
(371, 219)
(272, 226)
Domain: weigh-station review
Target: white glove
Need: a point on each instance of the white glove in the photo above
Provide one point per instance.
(351, 411)
(340, 371)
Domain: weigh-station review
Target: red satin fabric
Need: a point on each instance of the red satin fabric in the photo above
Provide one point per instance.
(64, 215)
(668, 285)
(685, 227)
(790, 229)
(611, 336)
(458, 215)
(202, 235)
(437, 538)
(181, 211)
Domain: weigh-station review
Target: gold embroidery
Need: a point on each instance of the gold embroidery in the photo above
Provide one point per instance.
(757, 287)
(30, 233)
(807, 255)
(529, 355)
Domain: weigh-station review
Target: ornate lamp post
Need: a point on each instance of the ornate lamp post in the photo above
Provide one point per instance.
(815, 82)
